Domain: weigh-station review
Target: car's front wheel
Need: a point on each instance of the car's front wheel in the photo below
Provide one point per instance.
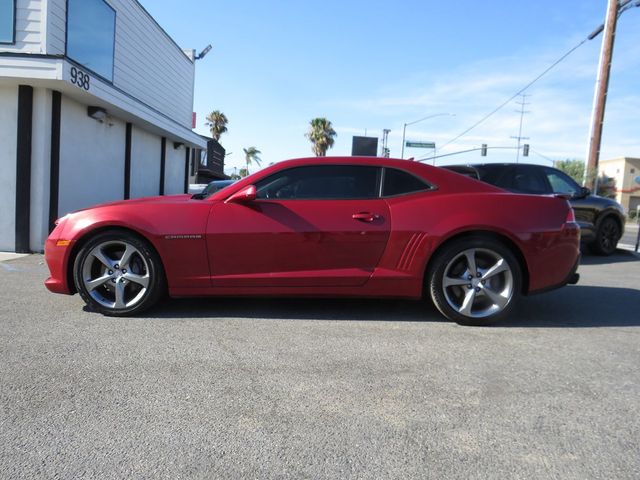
(118, 274)
(475, 281)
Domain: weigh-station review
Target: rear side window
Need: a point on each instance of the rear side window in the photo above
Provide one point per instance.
(498, 175)
(399, 182)
(529, 180)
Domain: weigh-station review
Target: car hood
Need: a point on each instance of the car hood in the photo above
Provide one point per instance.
(163, 199)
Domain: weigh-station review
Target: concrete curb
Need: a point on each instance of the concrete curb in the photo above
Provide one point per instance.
(6, 256)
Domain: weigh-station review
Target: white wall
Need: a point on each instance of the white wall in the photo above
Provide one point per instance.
(55, 26)
(28, 28)
(40, 168)
(174, 170)
(145, 163)
(91, 159)
(149, 66)
(8, 133)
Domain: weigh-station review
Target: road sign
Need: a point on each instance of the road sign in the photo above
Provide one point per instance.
(421, 144)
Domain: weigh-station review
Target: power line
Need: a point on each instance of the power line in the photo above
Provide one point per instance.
(519, 92)
(553, 162)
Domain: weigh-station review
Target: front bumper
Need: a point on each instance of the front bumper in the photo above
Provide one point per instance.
(57, 255)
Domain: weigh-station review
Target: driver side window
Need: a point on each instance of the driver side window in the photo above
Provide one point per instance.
(323, 182)
(561, 183)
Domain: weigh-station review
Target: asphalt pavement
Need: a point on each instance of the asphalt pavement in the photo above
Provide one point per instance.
(321, 388)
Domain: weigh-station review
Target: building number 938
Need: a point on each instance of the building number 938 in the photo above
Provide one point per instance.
(80, 79)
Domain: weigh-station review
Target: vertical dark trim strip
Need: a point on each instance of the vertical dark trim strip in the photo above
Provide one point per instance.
(163, 161)
(23, 168)
(54, 168)
(127, 162)
(186, 170)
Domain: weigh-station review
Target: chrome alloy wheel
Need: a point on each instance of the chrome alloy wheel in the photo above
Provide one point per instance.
(478, 283)
(116, 274)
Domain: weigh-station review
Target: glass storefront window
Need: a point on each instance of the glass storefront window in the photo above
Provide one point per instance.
(91, 27)
(7, 19)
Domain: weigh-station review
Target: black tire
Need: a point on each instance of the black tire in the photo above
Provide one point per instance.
(453, 262)
(118, 290)
(607, 237)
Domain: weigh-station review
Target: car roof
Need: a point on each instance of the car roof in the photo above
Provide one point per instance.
(445, 180)
(495, 164)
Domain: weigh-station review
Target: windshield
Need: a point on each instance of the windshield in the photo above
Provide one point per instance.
(212, 188)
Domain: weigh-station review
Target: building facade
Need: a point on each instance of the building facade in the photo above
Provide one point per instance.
(96, 105)
(626, 173)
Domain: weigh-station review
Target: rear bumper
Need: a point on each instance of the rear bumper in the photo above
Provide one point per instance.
(572, 279)
(554, 259)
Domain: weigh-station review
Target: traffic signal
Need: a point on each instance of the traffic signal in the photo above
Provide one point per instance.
(525, 150)
(483, 150)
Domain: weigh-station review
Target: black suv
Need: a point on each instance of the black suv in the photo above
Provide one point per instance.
(601, 219)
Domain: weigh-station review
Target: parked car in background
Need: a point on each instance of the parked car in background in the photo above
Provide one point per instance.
(204, 189)
(335, 227)
(216, 185)
(601, 219)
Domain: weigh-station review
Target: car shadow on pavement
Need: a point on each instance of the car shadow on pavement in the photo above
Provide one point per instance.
(297, 309)
(575, 306)
(621, 256)
(579, 306)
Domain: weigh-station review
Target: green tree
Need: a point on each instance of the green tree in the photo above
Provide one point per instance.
(572, 167)
(217, 123)
(321, 134)
(251, 155)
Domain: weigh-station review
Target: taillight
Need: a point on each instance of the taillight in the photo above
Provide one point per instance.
(571, 217)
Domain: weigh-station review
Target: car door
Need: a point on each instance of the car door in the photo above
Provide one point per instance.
(584, 210)
(309, 226)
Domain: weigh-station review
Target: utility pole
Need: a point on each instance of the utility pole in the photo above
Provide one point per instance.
(522, 111)
(385, 138)
(600, 96)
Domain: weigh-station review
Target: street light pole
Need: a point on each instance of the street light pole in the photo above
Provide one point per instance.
(404, 128)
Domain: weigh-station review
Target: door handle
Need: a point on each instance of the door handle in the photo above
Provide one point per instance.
(365, 216)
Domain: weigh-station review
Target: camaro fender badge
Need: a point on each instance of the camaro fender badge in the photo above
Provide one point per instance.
(182, 237)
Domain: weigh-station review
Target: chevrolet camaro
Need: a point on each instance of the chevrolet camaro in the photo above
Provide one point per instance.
(330, 227)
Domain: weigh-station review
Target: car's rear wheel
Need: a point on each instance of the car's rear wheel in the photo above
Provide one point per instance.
(118, 274)
(607, 237)
(475, 281)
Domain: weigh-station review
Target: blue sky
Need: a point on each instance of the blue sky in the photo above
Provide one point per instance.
(373, 65)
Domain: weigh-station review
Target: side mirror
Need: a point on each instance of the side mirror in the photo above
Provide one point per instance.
(584, 192)
(245, 195)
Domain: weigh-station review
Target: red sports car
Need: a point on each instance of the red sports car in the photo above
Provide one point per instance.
(343, 226)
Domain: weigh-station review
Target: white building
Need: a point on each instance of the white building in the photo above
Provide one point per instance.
(96, 105)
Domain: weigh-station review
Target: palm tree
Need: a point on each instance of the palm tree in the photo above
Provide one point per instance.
(251, 155)
(217, 123)
(321, 134)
